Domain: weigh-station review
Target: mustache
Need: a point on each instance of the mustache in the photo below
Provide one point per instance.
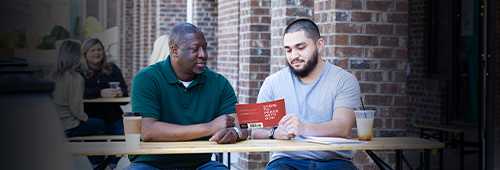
(297, 59)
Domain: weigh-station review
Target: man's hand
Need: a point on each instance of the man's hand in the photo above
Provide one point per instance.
(225, 136)
(281, 133)
(290, 126)
(220, 123)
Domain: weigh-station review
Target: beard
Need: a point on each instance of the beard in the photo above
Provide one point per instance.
(308, 67)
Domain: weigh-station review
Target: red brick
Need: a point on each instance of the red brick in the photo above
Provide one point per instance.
(401, 30)
(372, 76)
(341, 39)
(348, 52)
(379, 29)
(348, 28)
(368, 87)
(364, 40)
(390, 88)
(378, 100)
(389, 41)
(343, 4)
(380, 52)
(379, 5)
(361, 16)
(402, 6)
(401, 18)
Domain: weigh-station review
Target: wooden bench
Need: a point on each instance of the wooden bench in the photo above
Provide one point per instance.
(450, 136)
(121, 138)
(98, 138)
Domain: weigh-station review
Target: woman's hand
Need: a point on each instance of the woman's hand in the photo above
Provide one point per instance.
(110, 93)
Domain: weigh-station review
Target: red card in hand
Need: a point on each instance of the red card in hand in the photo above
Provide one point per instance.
(260, 115)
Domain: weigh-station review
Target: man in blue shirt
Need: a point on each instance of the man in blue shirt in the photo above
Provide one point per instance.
(319, 96)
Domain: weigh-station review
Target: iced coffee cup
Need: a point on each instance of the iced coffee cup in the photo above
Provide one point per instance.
(132, 129)
(364, 124)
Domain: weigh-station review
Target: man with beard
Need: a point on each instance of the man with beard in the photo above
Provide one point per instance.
(180, 100)
(319, 96)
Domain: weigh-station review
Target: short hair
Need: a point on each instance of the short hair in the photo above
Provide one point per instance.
(306, 25)
(178, 33)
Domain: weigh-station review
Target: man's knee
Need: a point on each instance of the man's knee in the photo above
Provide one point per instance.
(280, 164)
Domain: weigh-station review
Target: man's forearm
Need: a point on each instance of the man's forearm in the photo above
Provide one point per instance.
(161, 131)
(328, 129)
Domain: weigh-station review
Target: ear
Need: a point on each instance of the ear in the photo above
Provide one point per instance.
(320, 43)
(174, 51)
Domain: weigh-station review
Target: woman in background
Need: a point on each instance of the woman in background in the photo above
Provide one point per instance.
(68, 93)
(98, 75)
(160, 50)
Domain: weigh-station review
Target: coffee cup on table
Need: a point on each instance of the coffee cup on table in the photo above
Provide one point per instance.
(364, 124)
(132, 127)
(114, 85)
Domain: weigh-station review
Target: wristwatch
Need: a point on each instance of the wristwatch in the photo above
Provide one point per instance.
(238, 131)
(271, 134)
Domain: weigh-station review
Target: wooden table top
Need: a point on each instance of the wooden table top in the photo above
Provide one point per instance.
(108, 100)
(260, 145)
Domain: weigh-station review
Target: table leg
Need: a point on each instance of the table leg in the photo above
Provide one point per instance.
(229, 160)
(379, 162)
(427, 159)
(399, 154)
(461, 153)
(441, 155)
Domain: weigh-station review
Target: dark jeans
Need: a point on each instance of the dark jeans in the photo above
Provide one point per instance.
(96, 126)
(212, 165)
(308, 164)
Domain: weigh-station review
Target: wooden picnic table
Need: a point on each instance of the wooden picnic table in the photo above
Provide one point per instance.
(108, 100)
(261, 145)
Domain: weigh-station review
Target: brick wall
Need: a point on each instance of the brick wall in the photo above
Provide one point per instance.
(228, 40)
(369, 39)
(425, 93)
(141, 23)
(205, 17)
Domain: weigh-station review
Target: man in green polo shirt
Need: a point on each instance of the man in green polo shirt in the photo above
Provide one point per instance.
(181, 100)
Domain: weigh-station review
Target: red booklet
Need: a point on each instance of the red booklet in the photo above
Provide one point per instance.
(260, 115)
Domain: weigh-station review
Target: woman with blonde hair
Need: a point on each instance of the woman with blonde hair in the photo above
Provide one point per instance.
(99, 76)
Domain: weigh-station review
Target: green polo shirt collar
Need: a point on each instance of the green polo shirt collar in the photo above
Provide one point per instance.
(169, 73)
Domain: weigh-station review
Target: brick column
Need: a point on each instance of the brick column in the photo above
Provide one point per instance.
(205, 18)
(228, 40)
(255, 20)
(254, 55)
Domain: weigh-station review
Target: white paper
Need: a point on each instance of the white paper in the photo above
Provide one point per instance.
(328, 140)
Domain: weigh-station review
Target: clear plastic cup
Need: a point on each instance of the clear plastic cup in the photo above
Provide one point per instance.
(364, 124)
